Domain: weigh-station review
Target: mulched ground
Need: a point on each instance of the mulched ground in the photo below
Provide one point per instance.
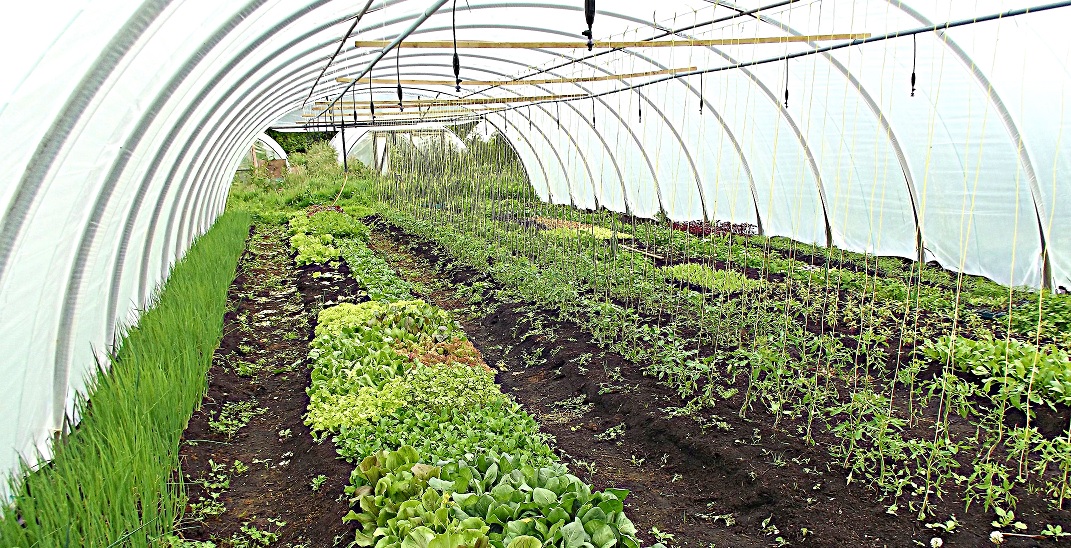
(270, 324)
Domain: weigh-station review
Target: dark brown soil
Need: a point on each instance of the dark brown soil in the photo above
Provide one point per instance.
(270, 324)
(710, 478)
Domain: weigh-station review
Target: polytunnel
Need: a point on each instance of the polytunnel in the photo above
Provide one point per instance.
(930, 131)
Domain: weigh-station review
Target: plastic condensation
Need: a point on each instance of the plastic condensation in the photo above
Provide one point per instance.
(123, 123)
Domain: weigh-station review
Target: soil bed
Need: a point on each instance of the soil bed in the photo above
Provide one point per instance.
(707, 478)
(267, 329)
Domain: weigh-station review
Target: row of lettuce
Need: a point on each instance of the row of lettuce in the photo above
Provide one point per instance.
(444, 458)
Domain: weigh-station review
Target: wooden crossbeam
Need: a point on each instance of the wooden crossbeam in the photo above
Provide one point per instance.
(613, 44)
(496, 83)
(409, 112)
(349, 105)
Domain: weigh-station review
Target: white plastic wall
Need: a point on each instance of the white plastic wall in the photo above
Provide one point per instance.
(122, 122)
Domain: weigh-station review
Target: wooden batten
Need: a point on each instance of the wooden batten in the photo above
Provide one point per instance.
(416, 103)
(613, 44)
(496, 83)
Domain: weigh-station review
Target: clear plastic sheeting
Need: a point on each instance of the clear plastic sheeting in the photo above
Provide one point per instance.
(123, 123)
(370, 146)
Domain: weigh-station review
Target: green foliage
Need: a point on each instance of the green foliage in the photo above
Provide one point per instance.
(596, 232)
(314, 236)
(314, 249)
(140, 407)
(450, 433)
(320, 160)
(401, 321)
(718, 280)
(373, 274)
(337, 224)
(392, 375)
(1019, 371)
(333, 411)
(234, 416)
(299, 141)
(1047, 315)
(492, 498)
(357, 375)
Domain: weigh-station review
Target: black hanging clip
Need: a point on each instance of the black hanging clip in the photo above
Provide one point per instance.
(371, 99)
(701, 98)
(589, 16)
(914, 60)
(786, 83)
(457, 59)
(398, 75)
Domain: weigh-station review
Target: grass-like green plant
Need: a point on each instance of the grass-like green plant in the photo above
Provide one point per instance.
(110, 482)
(718, 280)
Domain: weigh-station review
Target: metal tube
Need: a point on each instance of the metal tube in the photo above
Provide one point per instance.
(416, 24)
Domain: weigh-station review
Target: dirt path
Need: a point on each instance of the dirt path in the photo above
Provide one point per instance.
(251, 473)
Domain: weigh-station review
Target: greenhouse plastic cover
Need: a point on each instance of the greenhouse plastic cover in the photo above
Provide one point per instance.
(123, 121)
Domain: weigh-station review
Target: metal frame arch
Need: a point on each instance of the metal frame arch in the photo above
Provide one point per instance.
(70, 302)
(572, 199)
(182, 221)
(698, 179)
(804, 145)
(568, 104)
(157, 160)
(274, 146)
(55, 139)
(868, 99)
(213, 172)
(812, 163)
(1010, 126)
(665, 119)
(542, 107)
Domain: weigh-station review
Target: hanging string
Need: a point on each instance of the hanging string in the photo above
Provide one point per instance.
(398, 75)
(592, 112)
(639, 102)
(558, 107)
(529, 118)
(589, 15)
(457, 59)
(786, 83)
(914, 60)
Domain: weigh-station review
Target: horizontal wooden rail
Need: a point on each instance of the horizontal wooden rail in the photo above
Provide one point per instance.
(365, 113)
(349, 105)
(613, 44)
(450, 83)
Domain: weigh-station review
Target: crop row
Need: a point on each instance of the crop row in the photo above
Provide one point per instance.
(833, 352)
(445, 459)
